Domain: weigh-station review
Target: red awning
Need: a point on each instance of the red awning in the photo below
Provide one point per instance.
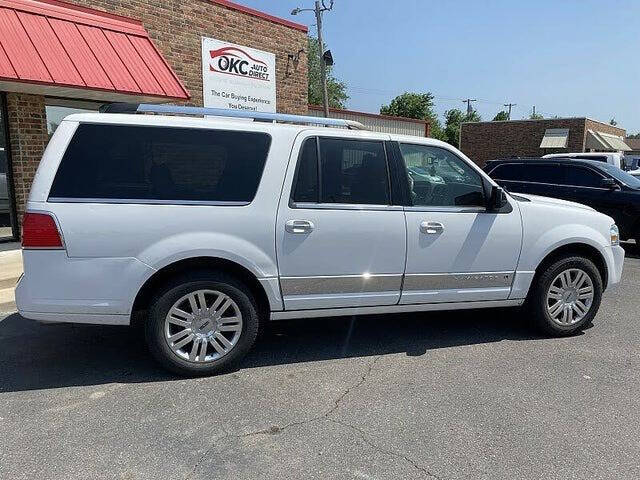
(61, 48)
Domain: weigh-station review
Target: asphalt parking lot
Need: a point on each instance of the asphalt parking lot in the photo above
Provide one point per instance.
(443, 396)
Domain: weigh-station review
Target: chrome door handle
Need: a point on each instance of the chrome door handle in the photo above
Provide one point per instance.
(431, 227)
(298, 226)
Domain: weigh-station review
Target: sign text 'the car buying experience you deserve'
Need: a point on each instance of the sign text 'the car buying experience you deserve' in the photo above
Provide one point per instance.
(238, 77)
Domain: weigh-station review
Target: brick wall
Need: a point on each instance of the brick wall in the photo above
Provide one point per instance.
(176, 28)
(483, 141)
(28, 139)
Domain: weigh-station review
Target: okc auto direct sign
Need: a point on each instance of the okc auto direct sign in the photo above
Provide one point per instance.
(238, 77)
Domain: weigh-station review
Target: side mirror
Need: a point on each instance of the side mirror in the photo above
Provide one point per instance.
(610, 183)
(497, 199)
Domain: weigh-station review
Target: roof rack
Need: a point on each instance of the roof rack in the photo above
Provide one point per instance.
(223, 112)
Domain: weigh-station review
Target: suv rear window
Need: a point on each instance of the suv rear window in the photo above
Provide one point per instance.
(161, 163)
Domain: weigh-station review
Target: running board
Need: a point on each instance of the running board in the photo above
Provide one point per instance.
(426, 307)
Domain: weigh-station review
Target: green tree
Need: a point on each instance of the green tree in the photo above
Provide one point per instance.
(336, 89)
(454, 118)
(415, 105)
(636, 135)
(613, 122)
(536, 116)
(501, 116)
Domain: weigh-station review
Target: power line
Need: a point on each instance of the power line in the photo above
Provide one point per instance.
(468, 102)
(447, 98)
(509, 105)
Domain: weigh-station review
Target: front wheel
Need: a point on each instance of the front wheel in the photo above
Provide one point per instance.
(566, 296)
(202, 324)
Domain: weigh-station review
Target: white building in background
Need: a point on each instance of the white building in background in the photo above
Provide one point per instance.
(378, 123)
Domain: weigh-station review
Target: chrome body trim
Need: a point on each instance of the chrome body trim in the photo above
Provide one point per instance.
(327, 285)
(556, 184)
(426, 307)
(343, 206)
(448, 281)
(426, 208)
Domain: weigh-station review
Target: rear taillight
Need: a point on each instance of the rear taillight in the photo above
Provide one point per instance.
(39, 230)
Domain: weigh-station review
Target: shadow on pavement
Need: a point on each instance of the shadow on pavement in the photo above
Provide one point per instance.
(40, 356)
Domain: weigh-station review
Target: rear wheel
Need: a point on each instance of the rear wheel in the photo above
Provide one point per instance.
(566, 296)
(202, 324)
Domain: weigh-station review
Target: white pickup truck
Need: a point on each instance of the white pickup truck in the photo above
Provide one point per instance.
(616, 159)
(205, 228)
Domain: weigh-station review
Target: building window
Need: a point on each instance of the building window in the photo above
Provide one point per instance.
(8, 229)
(57, 109)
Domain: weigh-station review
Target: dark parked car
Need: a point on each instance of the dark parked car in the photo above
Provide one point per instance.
(599, 185)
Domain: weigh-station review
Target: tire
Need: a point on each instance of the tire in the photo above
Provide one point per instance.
(549, 313)
(203, 325)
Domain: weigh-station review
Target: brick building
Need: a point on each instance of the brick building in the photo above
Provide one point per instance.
(59, 57)
(483, 141)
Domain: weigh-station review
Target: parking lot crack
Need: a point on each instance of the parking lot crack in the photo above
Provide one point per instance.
(364, 436)
(275, 429)
(357, 385)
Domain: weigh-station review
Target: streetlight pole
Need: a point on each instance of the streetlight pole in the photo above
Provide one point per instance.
(323, 67)
(320, 7)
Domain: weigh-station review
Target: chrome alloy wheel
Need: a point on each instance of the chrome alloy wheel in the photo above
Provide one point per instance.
(570, 297)
(203, 326)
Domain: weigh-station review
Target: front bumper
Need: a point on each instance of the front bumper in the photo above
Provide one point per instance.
(615, 263)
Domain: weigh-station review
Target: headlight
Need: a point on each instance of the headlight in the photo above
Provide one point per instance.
(615, 235)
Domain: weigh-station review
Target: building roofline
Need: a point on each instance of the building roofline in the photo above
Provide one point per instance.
(547, 120)
(371, 115)
(257, 13)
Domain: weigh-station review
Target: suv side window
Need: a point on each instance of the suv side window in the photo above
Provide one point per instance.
(508, 171)
(347, 171)
(306, 181)
(170, 164)
(353, 171)
(582, 177)
(439, 178)
(541, 173)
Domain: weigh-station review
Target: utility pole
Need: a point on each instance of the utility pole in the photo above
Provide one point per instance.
(509, 105)
(534, 112)
(468, 102)
(319, 9)
(323, 67)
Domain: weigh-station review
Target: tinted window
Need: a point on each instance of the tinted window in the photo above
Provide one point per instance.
(508, 171)
(543, 173)
(353, 171)
(583, 177)
(439, 178)
(306, 189)
(158, 163)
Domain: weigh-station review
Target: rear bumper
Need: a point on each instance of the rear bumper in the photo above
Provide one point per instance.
(57, 288)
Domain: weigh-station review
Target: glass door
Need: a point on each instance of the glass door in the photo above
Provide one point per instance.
(8, 227)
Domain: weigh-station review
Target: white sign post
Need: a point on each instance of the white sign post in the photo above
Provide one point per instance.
(238, 77)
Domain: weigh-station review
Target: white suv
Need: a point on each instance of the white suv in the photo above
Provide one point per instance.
(205, 228)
